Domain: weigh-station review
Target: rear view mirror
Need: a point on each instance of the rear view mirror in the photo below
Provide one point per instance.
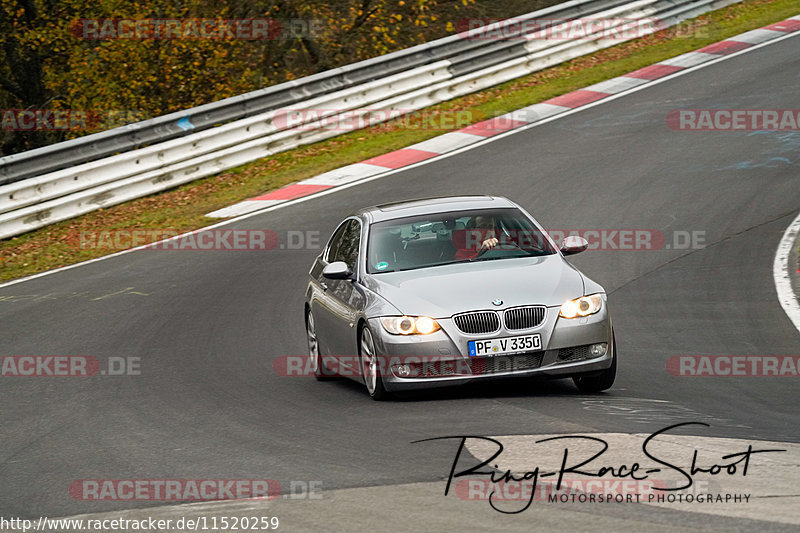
(337, 270)
(574, 245)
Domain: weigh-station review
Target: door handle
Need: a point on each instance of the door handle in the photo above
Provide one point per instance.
(324, 286)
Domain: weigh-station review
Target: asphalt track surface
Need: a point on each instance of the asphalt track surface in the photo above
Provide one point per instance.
(207, 325)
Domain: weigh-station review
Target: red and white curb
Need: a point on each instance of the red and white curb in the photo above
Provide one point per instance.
(459, 139)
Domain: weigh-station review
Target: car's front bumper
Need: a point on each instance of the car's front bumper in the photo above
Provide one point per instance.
(441, 359)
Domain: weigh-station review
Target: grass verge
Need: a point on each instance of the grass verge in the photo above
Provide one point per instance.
(183, 208)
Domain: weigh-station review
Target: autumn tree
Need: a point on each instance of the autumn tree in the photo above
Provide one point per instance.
(54, 54)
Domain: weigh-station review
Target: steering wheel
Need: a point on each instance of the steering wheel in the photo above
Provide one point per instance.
(482, 251)
(500, 246)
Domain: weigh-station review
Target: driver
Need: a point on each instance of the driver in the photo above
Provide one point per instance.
(481, 234)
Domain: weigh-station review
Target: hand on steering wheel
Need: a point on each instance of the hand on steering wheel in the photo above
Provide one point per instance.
(491, 244)
(488, 244)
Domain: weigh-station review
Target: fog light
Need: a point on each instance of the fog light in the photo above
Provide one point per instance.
(598, 350)
(403, 370)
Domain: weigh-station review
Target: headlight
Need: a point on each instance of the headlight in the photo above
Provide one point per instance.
(583, 306)
(409, 325)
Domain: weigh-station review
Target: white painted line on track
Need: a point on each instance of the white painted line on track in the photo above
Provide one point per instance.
(782, 274)
(425, 162)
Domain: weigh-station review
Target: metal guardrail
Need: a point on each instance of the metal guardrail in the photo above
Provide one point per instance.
(67, 179)
(91, 147)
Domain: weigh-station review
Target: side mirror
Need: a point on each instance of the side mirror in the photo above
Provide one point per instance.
(337, 270)
(574, 245)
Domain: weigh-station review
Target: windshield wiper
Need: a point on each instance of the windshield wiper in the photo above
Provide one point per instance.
(536, 254)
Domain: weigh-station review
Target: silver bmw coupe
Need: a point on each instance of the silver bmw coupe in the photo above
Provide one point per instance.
(445, 291)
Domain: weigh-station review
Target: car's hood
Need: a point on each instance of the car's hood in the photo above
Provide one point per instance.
(443, 291)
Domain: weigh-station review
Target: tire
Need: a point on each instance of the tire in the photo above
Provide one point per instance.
(370, 369)
(315, 361)
(603, 380)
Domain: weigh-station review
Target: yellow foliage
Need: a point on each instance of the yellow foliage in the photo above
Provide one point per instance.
(135, 78)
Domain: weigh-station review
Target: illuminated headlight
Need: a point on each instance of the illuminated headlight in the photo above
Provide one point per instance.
(409, 325)
(583, 306)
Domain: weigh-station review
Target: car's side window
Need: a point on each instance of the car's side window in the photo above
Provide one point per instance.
(335, 242)
(347, 249)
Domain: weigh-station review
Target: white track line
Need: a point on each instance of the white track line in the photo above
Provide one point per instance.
(425, 162)
(782, 274)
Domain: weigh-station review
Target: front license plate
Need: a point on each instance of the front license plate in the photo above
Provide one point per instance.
(506, 345)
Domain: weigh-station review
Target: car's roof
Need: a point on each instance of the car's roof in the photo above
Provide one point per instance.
(425, 206)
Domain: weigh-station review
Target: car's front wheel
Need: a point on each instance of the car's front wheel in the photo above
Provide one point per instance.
(370, 367)
(602, 380)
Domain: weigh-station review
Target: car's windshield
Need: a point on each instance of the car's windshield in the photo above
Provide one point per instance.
(445, 238)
